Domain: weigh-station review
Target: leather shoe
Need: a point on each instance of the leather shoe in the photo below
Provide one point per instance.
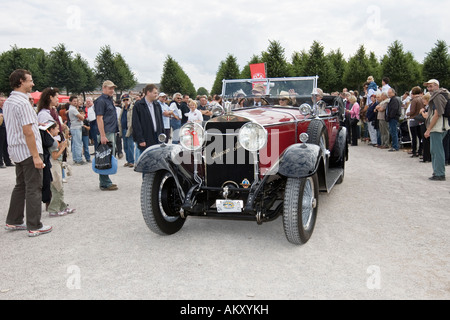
(437, 178)
(110, 188)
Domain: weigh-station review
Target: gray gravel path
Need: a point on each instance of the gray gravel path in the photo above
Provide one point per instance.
(382, 234)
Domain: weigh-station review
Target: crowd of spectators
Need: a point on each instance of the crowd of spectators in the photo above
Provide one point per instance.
(383, 119)
(378, 116)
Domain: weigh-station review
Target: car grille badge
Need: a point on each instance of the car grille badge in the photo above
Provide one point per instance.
(245, 184)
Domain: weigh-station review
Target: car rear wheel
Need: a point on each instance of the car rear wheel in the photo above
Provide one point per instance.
(161, 203)
(301, 200)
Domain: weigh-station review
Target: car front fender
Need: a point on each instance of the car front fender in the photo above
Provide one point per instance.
(157, 157)
(300, 160)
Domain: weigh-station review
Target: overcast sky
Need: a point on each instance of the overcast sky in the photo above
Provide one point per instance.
(199, 34)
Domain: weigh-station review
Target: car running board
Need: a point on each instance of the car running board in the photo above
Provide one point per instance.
(333, 176)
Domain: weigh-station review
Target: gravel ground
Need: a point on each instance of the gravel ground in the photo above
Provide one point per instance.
(382, 234)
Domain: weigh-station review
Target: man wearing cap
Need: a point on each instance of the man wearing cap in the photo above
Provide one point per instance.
(126, 129)
(437, 127)
(107, 126)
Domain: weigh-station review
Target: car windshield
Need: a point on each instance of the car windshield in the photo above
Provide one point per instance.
(272, 91)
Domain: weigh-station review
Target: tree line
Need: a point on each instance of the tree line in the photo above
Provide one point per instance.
(335, 72)
(64, 69)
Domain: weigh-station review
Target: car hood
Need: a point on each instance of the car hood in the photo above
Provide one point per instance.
(270, 115)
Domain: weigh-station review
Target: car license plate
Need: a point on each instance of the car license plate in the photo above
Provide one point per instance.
(229, 205)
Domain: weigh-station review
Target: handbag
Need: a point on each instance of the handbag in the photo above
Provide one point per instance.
(103, 156)
(419, 118)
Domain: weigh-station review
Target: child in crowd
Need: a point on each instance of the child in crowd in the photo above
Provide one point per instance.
(194, 115)
(57, 206)
(85, 128)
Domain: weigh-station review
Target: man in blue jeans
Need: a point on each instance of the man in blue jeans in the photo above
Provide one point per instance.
(76, 124)
(107, 126)
(437, 127)
(393, 112)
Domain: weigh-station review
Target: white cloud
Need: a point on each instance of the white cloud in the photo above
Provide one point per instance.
(200, 34)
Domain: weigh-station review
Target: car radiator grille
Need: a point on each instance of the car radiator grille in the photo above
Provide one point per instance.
(226, 160)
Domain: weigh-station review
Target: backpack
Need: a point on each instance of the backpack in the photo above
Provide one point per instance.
(447, 110)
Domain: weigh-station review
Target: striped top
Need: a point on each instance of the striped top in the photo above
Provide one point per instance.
(18, 113)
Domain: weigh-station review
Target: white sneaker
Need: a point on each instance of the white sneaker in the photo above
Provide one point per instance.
(15, 227)
(38, 232)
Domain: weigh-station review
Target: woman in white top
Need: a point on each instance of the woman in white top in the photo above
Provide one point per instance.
(49, 99)
(194, 115)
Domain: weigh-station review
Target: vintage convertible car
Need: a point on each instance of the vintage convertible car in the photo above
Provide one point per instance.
(250, 162)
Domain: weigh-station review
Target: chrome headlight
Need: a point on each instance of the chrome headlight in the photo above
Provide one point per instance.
(192, 136)
(304, 137)
(217, 111)
(252, 137)
(305, 109)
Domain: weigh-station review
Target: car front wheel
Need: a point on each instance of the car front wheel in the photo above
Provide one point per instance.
(161, 203)
(301, 202)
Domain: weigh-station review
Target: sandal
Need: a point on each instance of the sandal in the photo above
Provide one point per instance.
(57, 214)
(16, 227)
(70, 211)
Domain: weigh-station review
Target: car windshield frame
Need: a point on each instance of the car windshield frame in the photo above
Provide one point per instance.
(270, 88)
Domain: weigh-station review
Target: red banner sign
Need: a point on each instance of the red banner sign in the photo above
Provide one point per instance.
(258, 70)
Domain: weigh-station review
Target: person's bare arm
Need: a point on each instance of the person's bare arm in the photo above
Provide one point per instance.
(101, 130)
(31, 144)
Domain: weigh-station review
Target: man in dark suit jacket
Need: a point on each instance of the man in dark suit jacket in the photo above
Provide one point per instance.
(393, 112)
(147, 120)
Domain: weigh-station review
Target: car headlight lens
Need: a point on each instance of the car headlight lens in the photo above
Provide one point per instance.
(217, 111)
(305, 109)
(192, 136)
(252, 137)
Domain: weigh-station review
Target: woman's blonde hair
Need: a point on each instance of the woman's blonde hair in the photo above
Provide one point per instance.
(192, 102)
(427, 96)
(352, 99)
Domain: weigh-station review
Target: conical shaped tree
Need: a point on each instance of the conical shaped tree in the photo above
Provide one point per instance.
(400, 68)
(60, 67)
(126, 79)
(105, 67)
(337, 60)
(298, 66)
(276, 64)
(228, 69)
(174, 79)
(318, 64)
(437, 64)
(357, 70)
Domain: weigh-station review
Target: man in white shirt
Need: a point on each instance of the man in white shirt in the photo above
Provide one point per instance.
(25, 148)
(166, 113)
(92, 118)
(76, 127)
(385, 85)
